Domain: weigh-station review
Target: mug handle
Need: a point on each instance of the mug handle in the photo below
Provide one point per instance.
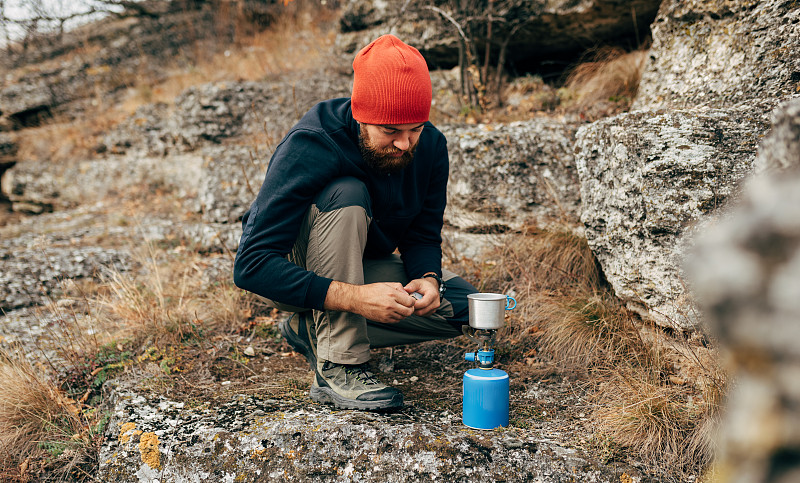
(509, 299)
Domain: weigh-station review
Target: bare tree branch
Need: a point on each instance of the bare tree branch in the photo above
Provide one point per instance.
(449, 19)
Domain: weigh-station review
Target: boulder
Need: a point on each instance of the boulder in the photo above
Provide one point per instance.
(252, 438)
(648, 180)
(652, 178)
(507, 175)
(553, 30)
(229, 182)
(745, 271)
(718, 53)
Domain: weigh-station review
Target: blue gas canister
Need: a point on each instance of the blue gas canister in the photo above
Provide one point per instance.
(485, 399)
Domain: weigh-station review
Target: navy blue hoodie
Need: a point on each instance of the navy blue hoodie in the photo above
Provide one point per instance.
(407, 207)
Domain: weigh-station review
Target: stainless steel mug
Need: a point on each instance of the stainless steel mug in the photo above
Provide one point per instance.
(487, 310)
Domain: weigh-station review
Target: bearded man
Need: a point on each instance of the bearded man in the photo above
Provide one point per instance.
(345, 232)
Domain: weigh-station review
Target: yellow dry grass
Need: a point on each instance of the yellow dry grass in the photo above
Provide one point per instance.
(587, 330)
(63, 140)
(609, 74)
(554, 260)
(36, 418)
(668, 423)
(296, 42)
(167, 299)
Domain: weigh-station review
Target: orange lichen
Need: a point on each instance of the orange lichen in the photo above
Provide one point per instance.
(148, 447)
(124, 437)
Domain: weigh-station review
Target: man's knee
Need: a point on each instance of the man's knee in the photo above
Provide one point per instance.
(342, 193)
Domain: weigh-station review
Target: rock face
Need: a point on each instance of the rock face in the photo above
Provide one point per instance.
(647, 179)
(212, 113)
(746, 274)
(255, 439)
(504, 176)
(719, 53)
(553, 29)
(651, 178)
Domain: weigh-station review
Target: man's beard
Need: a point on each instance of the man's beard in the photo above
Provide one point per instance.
(381, 160)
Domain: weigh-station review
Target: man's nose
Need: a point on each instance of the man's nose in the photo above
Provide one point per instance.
(402, 142)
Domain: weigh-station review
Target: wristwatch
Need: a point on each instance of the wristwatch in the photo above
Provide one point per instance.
(439, 280)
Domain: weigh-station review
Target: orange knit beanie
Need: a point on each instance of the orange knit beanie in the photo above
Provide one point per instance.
(391, 83)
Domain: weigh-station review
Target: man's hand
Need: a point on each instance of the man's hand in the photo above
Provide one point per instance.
(385, 302)
(429, 289)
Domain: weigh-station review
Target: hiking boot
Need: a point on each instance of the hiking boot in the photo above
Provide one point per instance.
(352, 387)
(295, 330)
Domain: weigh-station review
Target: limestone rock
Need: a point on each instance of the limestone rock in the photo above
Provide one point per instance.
(229, 182)
(647, 180)
(652, 178)
(256, 439)
(746, 273)
(213, 113)
(718, 53)
(30, 276)
(503, 176)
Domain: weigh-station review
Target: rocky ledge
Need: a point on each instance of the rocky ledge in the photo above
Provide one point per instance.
(250, 438)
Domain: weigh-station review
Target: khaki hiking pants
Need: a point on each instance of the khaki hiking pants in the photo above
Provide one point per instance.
(331, 244)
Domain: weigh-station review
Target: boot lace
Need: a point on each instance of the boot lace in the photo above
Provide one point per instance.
(361, 372)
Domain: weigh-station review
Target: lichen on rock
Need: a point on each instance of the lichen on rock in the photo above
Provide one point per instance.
(148, 448)
(648, 181)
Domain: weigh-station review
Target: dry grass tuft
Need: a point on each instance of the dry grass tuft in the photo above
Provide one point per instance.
(551, 261)
(665, 423)
(584, 331)
(168, 299)
(611, 74)
(36, 419)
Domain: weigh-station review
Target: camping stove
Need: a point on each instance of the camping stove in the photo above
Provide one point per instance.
(486, 389)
